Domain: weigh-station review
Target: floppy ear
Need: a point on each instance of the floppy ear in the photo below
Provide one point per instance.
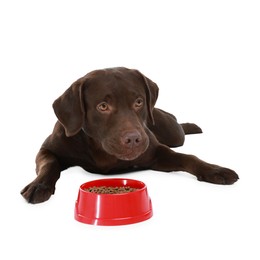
(69, 108)
(152, 91)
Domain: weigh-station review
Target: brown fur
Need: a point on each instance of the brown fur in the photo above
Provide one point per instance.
(107, 123)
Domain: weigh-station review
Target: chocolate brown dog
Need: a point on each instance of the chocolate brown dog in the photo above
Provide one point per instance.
(107, 123)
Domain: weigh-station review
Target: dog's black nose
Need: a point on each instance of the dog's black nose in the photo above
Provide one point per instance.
(131, 139)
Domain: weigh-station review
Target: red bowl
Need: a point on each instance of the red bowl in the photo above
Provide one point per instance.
(113, 209)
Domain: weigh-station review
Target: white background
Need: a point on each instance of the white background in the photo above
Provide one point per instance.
(205, 57)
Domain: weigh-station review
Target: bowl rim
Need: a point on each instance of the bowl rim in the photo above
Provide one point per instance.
(88, 184)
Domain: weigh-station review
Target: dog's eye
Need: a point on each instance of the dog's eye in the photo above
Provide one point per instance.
(102, 107)
(138, 103)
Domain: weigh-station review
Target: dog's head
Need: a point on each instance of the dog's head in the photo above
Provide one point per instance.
(111, 106)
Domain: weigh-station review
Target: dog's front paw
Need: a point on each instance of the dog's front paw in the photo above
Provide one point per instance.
(218, 175)
(37, 192)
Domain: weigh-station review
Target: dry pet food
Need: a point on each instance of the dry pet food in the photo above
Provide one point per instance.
(110, 190)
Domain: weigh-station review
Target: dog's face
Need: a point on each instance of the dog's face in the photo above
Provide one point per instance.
(112, 107)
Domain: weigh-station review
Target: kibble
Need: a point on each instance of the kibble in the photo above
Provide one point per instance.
(110, 189)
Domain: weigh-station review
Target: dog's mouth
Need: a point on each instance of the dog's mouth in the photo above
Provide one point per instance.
(132, 155)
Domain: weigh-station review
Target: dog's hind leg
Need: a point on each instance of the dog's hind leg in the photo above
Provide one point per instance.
(190, 128)
(168, 131)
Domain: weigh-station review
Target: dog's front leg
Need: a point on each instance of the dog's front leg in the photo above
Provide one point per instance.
(48, 172)
(168, 160)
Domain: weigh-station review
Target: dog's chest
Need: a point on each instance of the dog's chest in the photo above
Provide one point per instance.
(107, 164)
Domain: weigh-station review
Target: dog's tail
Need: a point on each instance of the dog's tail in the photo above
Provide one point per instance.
(190, 128)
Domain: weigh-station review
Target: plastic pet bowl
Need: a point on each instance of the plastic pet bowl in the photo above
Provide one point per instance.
(113, 209)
